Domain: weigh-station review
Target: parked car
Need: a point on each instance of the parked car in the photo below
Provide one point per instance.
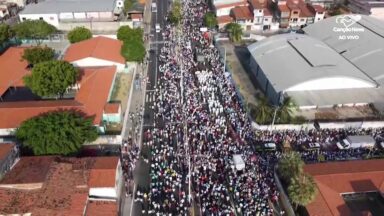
(343, 144)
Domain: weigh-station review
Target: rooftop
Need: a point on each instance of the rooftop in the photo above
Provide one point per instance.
(5, 149)
(224, 19)
(242, 13)
(231, 5)
(305, 60)
(259, 4)
(64, 186)
(97, 47)
(366, 53)
(101, 208)
(111, 108)
(95, 85)
(69, 6)
(335, 178)
(13, 68)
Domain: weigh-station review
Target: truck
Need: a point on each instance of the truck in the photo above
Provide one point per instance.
(361, 141)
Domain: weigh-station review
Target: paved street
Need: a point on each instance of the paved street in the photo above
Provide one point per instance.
(146, 73)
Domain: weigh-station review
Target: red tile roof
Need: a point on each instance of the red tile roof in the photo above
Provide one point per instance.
(5, 149)
(267, 12)
(318, 8)
(335, 178)
(103, 172)
(97, 47)
(284, 8)
(259, 4)
(305, 11)
(224, 19)
(65, 186)
(242, 12)
(111, 108)
(101, 208)
(95, 85)
(231, 5)
(136, 16)
(13, 68)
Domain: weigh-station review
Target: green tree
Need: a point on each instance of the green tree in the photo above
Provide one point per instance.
(61, 132)
(51, 78)
(235, 31)
(290, 166)
(128, 5)
(128, 34)
(286, 110)
(79, 34)
(5, 33)
(133, 51)
(175, 15)
(210, 20)
(263, 110)
(38, 54)
(302, 190)
(34, 29)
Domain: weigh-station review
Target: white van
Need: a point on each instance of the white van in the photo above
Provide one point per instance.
(154, 7)
(157, 27)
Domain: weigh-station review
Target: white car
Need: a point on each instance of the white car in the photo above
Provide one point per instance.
(157, 27)
(343, 144)
(270, 146)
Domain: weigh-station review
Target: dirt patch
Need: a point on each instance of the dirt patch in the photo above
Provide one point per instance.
(121, 89)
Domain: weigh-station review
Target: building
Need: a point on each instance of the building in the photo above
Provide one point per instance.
(318, 69)
(112, 113)
(90, 95)
(50, 185)
(96, 52)
(55, 12)
(9, 155)
(373, 8)
(336, 181)
(297, 13)
(224, 7)
(243, 16)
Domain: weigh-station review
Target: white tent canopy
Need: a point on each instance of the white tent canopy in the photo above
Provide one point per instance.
(239, 162)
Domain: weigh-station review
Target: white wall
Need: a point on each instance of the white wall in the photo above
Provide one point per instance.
(94, 62)
(331, 83)
(319, 17)
(378, 13)
(49, 18)
(7, 131)
(223, 11)
(103, 192)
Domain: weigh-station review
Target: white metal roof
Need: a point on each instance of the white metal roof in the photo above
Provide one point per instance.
(366, 52)
(289, 60)
(68, 6)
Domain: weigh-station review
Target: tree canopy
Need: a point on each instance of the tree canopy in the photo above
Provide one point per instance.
(286, 110)
(61, 132)
(51, 78)
(235, 31)
(175, 15)
(302, 190)
(38, 54)
(133, 51)
(79, 34)
(5, 33)
(128, 5)
(128, 34)
(290, 166)
(34, 29)
(210, 20)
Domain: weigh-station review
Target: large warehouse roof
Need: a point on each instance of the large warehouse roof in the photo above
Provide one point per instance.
(292, 60)
(366, 52)
(69, 6)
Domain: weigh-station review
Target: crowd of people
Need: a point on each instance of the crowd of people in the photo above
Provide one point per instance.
(200, 124)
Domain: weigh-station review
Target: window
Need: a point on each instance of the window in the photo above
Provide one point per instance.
(41, 18)
(24, 19)
(260, 11)
(295, 12)
(318, 18)
(302, 20)
(294, 19)
(265, 20)
(320, 12)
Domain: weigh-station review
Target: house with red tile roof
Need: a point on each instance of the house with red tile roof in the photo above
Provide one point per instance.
(222, 21)
(224, 7)
(92, 95)
(243, 16)
(298, 13)
(96, 52)
(51, 185)
(336, 179)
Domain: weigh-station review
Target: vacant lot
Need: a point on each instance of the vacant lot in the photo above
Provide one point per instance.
(121, 89)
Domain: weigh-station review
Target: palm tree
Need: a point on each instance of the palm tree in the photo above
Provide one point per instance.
(290, 166)
(302, 190)
(263, 110)
(210, 20)
(235, 31)
(286, 110)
